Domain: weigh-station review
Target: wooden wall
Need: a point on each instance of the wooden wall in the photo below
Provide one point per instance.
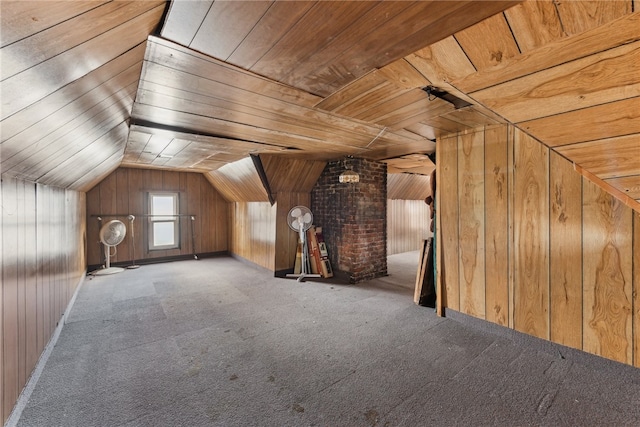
(254, 238)
(407, 225)
(290, 182)
(253, 235)
(260, 232)
(260, 237)
(408, 216)
(42, 263)
(565, 92)
(528, 243)
(124, 192)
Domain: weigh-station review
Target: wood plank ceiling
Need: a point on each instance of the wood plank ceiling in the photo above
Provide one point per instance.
(70, 72)
(258, 77)
(311, 80)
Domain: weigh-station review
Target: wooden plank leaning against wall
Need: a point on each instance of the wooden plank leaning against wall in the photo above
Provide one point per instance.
(125, 191)
(562, 256)
(43, 237)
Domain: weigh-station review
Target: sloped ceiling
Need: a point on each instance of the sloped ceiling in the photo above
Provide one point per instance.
(311, 80)
(70, 72)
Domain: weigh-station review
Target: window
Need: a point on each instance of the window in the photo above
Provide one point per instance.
(164, 222)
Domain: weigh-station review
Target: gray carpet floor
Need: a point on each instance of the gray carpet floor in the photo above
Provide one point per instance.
(217, 342)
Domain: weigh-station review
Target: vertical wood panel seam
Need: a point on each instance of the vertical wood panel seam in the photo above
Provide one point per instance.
(22, 287)
(2, 417)
(633, 288)
(484, 214)
(457, 151)
(510, 182)
(582, 258)
(550, 260)
(38, 314)
(514, 264)
(635, 358)
(548, 244)
(508, 179)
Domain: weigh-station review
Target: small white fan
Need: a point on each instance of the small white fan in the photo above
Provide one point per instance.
(300, 220)
(111, 235)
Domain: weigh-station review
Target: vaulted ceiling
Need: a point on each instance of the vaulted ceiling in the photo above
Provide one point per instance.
(88, 86)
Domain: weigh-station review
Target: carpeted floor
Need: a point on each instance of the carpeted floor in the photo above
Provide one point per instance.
(218, 342)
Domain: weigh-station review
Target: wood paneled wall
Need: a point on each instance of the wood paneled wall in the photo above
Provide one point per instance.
(260, 232)
(526, 242)
(253, 234)
(42, 262)
(261, 235)
(407, 225)
(560, 90)
(124, 192)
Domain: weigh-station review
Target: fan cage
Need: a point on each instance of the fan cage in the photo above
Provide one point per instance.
(294, 216)
(113, 233)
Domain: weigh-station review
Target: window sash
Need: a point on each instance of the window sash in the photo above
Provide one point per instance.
(160, 236)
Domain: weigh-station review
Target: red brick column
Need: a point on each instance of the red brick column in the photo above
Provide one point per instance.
(353, 217)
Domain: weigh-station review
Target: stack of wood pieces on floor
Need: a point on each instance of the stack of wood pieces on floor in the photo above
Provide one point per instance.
(318, 254)
(425, 293)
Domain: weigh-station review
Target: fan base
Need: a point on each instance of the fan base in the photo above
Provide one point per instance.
(301, 277)
(110, 270)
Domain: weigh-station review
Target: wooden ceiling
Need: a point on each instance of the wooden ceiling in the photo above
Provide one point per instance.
(70, 73)
(253, 73)
(85, 89)
(318, 46)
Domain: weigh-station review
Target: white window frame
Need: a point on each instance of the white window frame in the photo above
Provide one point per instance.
(173, 219)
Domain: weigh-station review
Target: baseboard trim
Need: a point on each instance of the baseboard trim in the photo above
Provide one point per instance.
(26, 392)
(146, 261)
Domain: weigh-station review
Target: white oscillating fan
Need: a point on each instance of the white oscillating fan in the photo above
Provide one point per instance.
(111, 235)
(300, 220)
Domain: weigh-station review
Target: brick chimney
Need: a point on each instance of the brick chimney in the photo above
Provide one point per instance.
(353, 217)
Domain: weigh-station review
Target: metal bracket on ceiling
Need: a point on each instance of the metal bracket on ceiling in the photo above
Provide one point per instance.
(433, 93)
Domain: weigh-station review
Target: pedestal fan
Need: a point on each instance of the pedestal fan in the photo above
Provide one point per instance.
(300, 220)
(111, 235)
